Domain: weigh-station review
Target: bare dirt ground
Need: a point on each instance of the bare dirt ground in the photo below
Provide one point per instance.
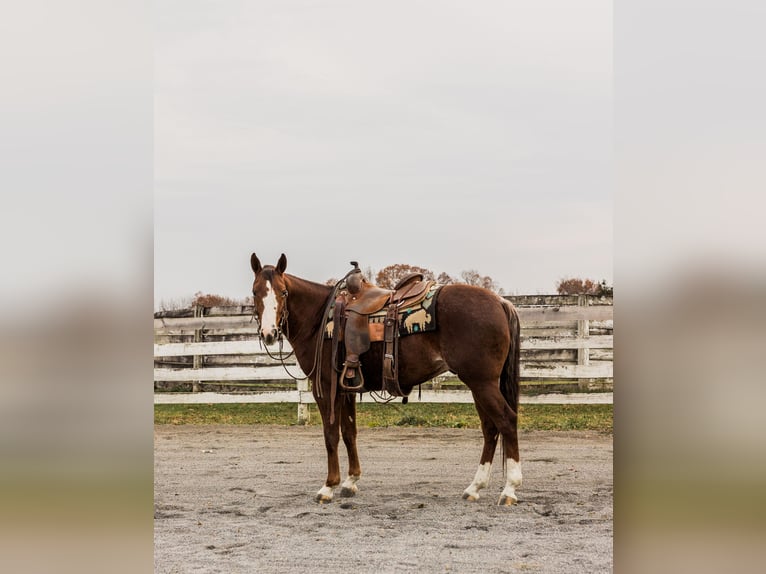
(240, 499)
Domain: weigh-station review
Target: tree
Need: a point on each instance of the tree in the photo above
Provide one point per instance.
(391, 275)
(605, 289)
(175, 303)
(210, 300)
(445, 279)
(470, 277)
(369, 273)
(577, 286)
(473, 277)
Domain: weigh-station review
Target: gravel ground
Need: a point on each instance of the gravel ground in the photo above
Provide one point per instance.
(240, 499)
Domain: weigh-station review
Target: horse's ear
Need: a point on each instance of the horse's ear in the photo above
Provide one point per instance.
(282, 263)
(255, 263)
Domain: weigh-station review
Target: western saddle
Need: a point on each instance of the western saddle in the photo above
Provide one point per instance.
(353, 306)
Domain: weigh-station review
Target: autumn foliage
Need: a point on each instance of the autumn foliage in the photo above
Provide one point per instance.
(391, 275)
(209, 300)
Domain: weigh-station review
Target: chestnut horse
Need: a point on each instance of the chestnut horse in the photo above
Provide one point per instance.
(477, 338)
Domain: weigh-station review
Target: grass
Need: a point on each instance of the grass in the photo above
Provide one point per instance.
(531, 417)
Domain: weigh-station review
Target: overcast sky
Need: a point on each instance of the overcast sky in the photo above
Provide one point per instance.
(449, 135)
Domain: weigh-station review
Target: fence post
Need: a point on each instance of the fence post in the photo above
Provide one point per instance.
(583, 332)
(197, 359)
(303, 408)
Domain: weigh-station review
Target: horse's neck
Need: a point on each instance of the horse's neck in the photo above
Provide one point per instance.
(306, 303)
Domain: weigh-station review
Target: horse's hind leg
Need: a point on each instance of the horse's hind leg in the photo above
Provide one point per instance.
(348, 430)
(492, 402)
(481, 479)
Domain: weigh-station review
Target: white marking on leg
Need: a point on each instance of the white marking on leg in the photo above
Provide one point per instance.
(512, 482)
(349, 485)
(269, 317)
(350, 482)
(324, 494)
(480, 480)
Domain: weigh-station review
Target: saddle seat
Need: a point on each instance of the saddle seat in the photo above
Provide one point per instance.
(367, 298)
(370, 299)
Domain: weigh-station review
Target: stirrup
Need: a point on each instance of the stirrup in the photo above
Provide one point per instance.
(342, 379)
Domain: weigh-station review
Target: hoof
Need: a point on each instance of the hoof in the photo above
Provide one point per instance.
(324, 495)
(347, 492)
(507, 501)
(470, 497)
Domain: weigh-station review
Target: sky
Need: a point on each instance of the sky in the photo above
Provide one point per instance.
(448, 135)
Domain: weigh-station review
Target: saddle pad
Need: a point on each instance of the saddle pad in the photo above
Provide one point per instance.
(413, 319)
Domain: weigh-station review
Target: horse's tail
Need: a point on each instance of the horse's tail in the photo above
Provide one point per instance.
(509, 378)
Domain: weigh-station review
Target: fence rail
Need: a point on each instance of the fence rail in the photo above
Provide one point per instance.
(532, 315)
(563, 338)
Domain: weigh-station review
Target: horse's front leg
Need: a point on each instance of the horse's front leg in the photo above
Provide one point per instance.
(348, 429)
(331, 440)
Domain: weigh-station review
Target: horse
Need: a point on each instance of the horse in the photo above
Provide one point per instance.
(477, 338)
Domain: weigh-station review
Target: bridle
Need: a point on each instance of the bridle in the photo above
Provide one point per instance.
(283, 330)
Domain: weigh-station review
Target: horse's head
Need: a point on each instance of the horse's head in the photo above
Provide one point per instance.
(270, 298)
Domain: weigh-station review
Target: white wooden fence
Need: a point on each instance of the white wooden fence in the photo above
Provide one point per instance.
(563, 338)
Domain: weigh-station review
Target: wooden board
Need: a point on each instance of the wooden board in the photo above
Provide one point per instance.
(551, 371)
(227, 374)
(252, 347)
(600, 313)
(597, 342)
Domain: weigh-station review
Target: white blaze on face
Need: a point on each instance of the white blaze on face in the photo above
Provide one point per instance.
(269, 317)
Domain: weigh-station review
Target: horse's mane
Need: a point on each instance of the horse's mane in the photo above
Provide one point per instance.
(308, 282)
(320, 289)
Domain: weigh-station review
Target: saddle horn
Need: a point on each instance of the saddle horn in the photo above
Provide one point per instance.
(354, 279)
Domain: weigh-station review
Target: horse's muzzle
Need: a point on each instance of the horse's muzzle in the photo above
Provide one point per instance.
(269, 338)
